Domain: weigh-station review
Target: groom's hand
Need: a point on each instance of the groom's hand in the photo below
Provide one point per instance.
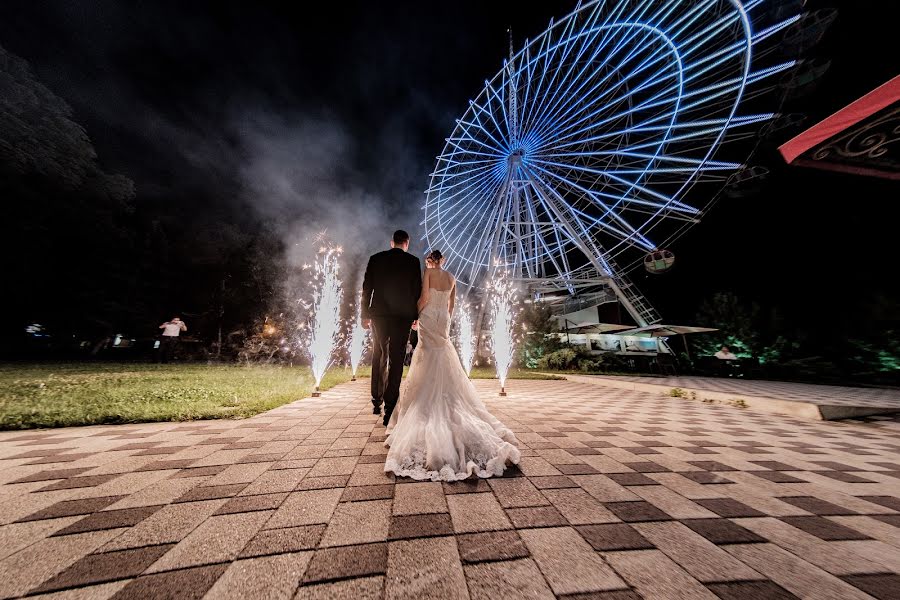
(366, 323)
(415, 325)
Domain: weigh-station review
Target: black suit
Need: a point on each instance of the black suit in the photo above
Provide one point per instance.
(391, 289)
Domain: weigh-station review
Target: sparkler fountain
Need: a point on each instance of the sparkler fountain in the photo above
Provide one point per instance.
(466, 338)
(358, 339)
(502, 341)
(325, 328)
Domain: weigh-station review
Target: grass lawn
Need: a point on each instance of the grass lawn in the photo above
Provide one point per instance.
(60, 395)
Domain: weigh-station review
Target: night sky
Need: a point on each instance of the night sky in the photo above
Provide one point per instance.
(333, 118)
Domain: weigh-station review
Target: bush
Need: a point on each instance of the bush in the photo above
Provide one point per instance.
(563, 359)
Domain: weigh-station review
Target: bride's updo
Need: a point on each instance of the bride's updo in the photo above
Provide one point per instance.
(435, 256)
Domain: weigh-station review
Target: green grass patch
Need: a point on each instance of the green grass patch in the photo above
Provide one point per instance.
(67, 394)
(58, 395)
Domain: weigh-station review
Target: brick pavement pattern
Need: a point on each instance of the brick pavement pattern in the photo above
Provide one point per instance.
(620, 495)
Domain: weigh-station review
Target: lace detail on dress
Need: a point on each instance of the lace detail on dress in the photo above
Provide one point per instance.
(482, 464)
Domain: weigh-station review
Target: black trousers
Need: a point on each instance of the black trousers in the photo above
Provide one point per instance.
(167, 347)
(388, 349)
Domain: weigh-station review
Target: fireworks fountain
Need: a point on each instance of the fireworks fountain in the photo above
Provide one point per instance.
(502, 341)
(466, 338)
(326, 310)
(358, 339)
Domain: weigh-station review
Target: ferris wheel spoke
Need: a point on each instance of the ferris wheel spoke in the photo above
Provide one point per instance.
(471, 204)
(465, 125)
(569, 92)
(463, 198)
(667, 202)
(686, 19)
(628, 232)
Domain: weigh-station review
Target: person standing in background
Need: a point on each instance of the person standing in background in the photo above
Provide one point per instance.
(171, 330)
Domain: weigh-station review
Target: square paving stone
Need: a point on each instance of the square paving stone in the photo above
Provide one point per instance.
(358, 523)
(568, 563)
(729, 508)
(425, 569)
(252, 503)
(79, 482)
(110, 519)
(825, 529)
(882, 586)
(552, 482)
(53, 474)
(107, 566)
(817, 506)
(472, 485)
(637, 511)
(750, 590)
(723, 531)
(361, 588)
(419, 498)
(347, 561)
(889, 519)
(286, 539)
(774, 465)
(426, 525)
(323, 483)
(609, 537)
(200, 471)
(211, 492)
(491, 546)
(577, 469)
(508, 579)
(705, 477)
(186, 584)
(776, 476)
(69, 508)
(890, 502)
(711, 465)
(538, 516)
(633, 479)
(476, 512)
(647, 467)
(368, 492)
(517, 493)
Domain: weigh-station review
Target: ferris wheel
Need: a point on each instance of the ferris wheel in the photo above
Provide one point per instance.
(603, 139)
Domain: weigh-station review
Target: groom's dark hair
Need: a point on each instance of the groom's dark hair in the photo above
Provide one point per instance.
(401, 237)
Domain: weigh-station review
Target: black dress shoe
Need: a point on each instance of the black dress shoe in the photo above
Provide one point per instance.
(387, 419)
(376, 410)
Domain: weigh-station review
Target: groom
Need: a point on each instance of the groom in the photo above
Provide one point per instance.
(391, 288)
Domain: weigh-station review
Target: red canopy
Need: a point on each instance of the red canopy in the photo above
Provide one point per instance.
(856, 139)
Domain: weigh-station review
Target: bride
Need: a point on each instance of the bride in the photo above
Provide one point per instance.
(440, 429)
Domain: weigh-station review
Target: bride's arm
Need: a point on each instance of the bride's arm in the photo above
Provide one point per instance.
(423, 297)
(452, 297)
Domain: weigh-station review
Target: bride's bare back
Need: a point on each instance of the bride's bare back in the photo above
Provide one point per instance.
(438, 280)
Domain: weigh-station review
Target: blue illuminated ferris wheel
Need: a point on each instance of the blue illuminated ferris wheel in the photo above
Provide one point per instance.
(603, 139)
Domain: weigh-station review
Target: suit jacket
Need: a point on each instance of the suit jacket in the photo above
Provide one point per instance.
(391, 286)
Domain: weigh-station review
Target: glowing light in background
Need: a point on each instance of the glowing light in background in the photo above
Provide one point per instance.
(359, 337)
(465, 340)
(502, 328)
(326, 313)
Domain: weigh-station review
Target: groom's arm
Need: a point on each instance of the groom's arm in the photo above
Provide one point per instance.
(366, 297)
(417, 278)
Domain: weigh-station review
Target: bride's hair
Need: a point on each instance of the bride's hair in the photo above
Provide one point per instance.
(435, 256)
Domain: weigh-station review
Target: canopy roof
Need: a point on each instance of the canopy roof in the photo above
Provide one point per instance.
(862, 138)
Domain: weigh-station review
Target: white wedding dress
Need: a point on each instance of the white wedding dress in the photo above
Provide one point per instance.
(440, 429)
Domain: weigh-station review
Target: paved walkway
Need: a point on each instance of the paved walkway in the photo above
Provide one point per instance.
(620, 495)
(799, 399)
